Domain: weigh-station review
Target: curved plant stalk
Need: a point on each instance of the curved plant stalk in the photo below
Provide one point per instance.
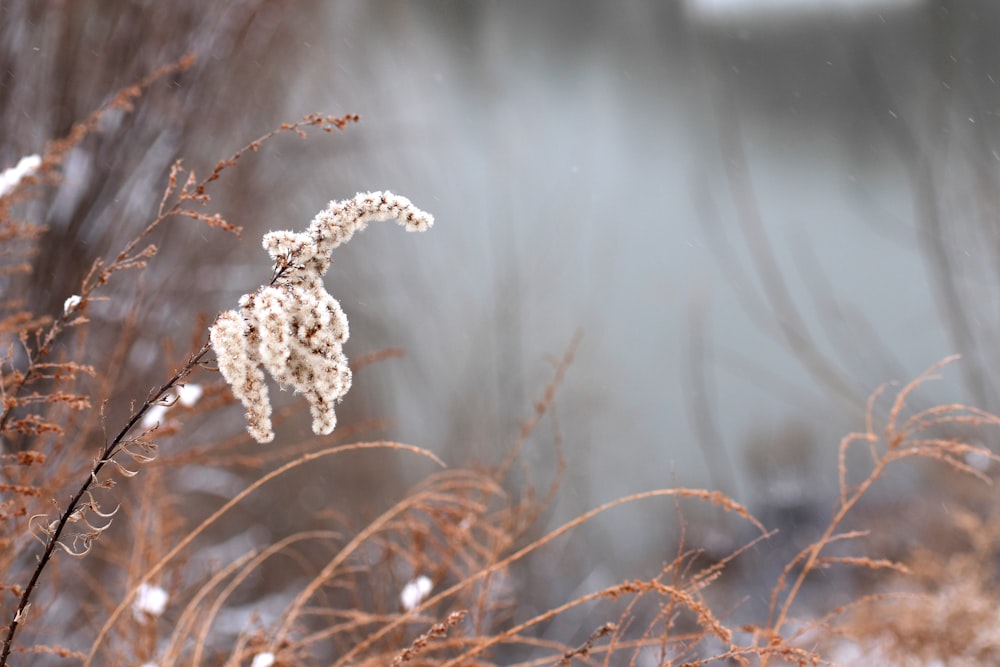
(75, 507)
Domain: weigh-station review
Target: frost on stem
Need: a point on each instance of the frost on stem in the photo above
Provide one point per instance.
(293, 328)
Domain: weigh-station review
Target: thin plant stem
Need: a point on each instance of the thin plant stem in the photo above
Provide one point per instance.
(110, 450)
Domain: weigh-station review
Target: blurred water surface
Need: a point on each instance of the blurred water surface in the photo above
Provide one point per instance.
(753, 222)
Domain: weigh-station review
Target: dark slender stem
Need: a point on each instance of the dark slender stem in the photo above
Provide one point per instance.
(109, 451)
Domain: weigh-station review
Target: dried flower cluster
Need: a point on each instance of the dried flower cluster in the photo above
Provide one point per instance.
(293, 327)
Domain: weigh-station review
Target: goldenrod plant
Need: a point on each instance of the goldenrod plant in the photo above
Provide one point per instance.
(293, 327)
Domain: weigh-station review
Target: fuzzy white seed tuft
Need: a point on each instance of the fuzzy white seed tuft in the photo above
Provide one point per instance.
(150, 601)
(293, 328)
(71, 304)
(415, 592)
(26, 166)
(262, 660)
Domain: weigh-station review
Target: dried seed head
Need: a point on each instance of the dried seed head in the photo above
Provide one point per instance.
(293, 328)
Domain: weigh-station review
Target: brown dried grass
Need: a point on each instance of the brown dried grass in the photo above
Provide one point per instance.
(465, 529)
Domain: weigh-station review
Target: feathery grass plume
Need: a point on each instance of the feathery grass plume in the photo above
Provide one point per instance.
(292, 327)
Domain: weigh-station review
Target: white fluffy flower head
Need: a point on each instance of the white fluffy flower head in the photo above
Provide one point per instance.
(262, 660)
(150, 601)
(26, 166)
(415, 592)
(293, 328)
(72, 304)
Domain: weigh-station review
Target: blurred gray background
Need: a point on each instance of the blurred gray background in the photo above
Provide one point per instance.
(755, 212)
